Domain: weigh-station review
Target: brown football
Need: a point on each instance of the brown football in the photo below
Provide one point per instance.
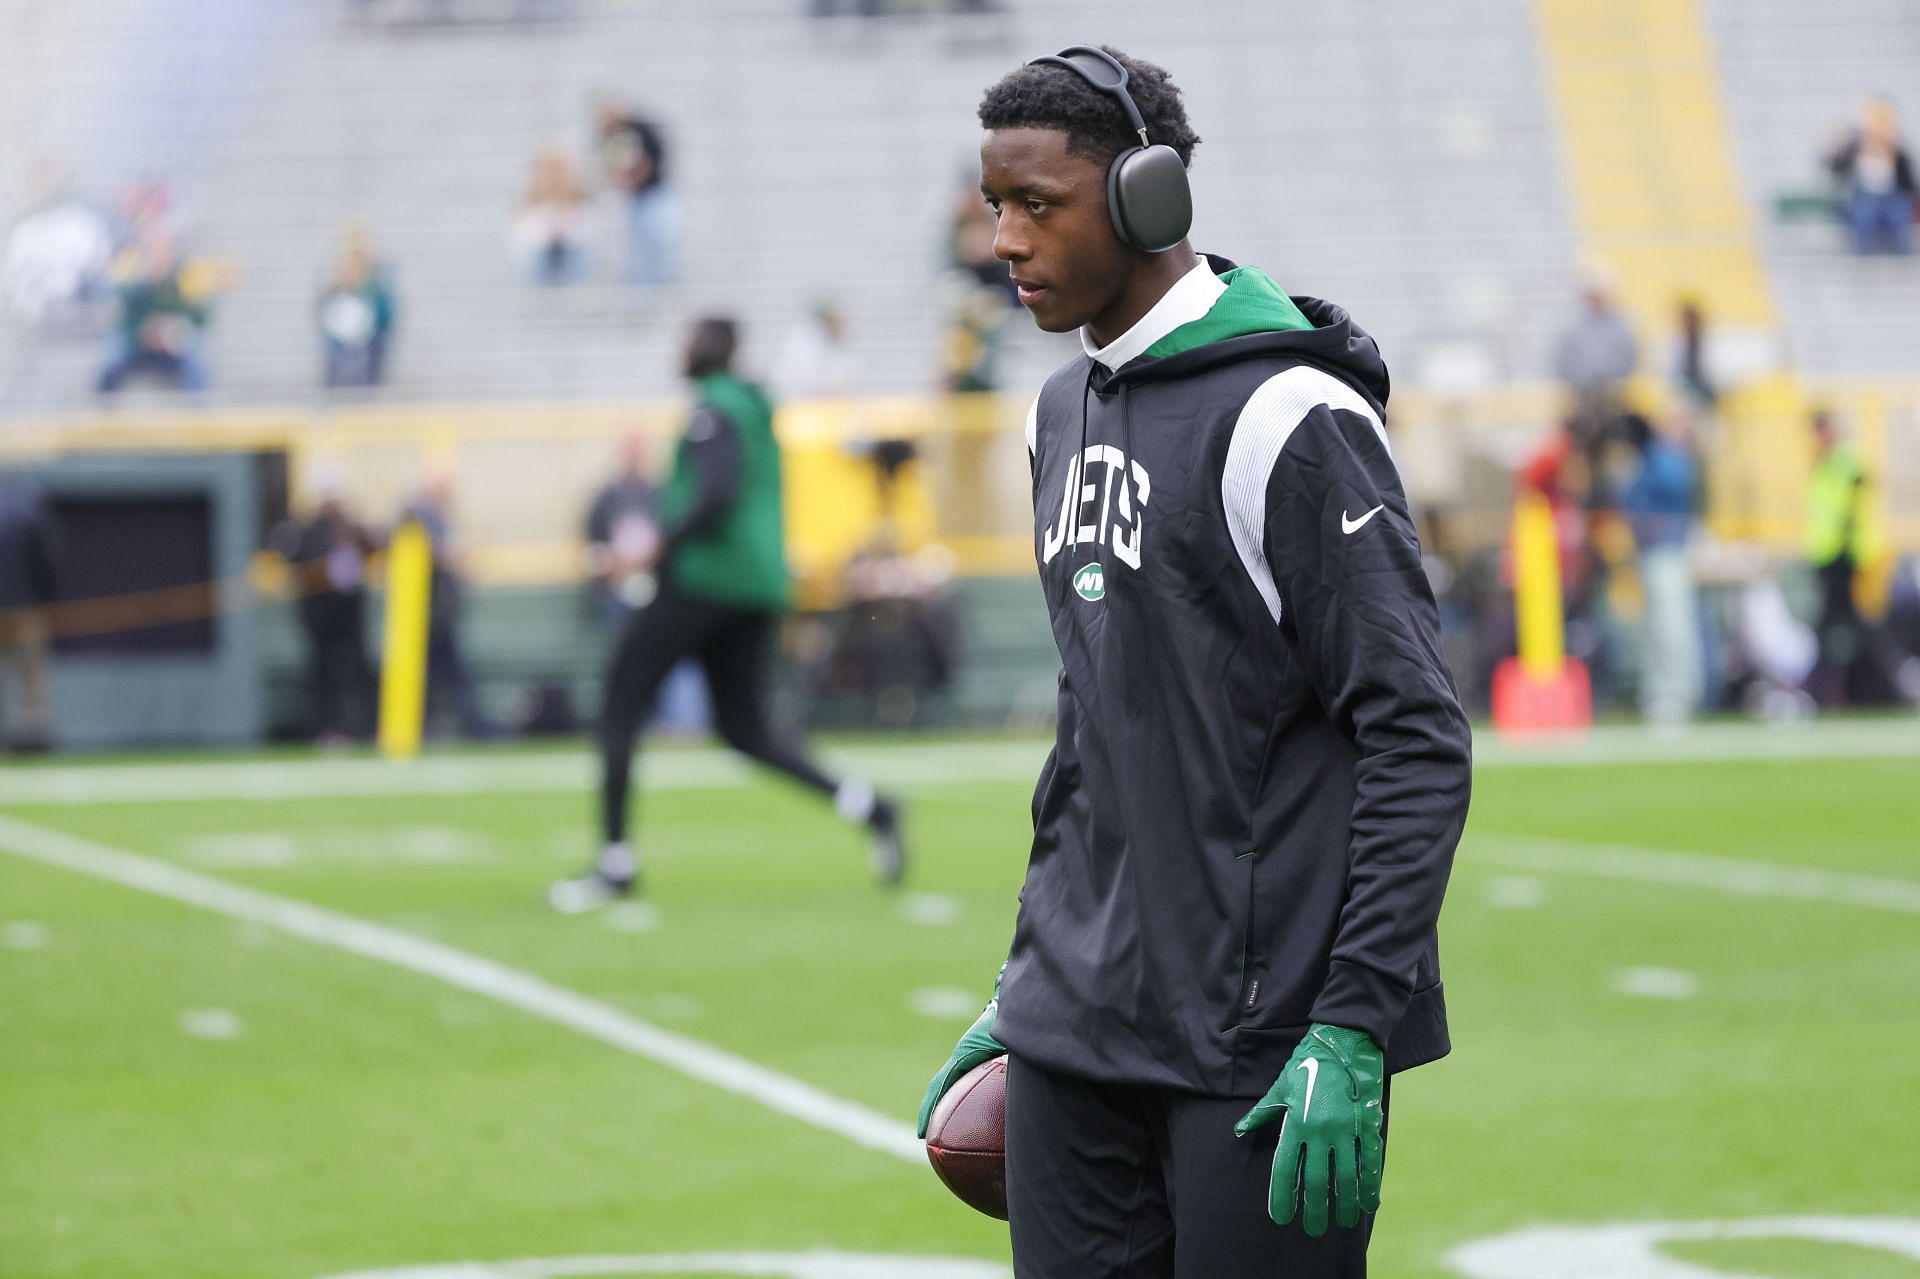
(967, 1138)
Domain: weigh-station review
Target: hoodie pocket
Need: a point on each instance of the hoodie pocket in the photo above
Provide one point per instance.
(1247, 983)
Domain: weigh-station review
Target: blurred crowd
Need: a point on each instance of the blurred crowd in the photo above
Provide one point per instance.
(329, 554)
(558, 238)
(129, 271)
(1668, 620)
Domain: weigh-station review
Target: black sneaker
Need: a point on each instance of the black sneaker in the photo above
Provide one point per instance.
(589, 892)
(885, 853)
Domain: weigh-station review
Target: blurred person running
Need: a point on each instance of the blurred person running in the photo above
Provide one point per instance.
(722, 588)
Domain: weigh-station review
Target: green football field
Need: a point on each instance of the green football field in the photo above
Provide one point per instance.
(303, 1018)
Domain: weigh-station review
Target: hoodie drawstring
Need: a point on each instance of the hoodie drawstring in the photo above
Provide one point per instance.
(1076, 469)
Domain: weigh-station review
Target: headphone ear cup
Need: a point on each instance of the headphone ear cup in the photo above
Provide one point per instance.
(1149, 198)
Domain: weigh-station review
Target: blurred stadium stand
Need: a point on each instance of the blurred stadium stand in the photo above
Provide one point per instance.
(1793, 74)
(809, 158)
(1438, 169)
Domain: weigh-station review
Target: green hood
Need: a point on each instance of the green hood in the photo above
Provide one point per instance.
(1253, 303)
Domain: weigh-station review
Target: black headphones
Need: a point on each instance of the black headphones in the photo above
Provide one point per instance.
(1147, 192)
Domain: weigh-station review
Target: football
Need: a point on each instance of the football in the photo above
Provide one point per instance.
(967, 1138)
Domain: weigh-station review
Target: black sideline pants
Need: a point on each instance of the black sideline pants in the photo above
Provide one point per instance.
(1109, 1182)
(735, 648)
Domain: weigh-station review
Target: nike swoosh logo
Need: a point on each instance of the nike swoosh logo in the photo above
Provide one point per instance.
(1350, 527)
(1312, 1066)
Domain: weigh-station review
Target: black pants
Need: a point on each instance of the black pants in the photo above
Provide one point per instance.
(450, 683)
(340, 679)
(735, 648)
(1109, 1182)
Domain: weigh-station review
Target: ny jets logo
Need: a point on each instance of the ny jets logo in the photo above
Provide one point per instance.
(1103, 502)
(1090, 582)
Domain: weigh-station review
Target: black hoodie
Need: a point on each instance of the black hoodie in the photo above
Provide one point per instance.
(1262, 769)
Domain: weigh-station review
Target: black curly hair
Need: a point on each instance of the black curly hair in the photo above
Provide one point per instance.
(1050, 96)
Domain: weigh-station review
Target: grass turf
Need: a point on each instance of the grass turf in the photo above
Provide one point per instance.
(362, 1117)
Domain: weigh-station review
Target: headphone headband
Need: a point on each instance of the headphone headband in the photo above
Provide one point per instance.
(1147, 193)
(1075, 59)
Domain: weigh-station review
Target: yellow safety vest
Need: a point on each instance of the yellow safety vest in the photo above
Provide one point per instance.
(1840, 520)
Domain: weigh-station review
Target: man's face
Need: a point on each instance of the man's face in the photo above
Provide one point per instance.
(1052, 228)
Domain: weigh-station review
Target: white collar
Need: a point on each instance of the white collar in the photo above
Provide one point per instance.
(1191, 297)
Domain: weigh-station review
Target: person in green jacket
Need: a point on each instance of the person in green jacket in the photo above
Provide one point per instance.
(721, 565)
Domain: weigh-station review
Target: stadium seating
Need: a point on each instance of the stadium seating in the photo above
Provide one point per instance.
(825, 162)
(1431, 202)
(1793, 74)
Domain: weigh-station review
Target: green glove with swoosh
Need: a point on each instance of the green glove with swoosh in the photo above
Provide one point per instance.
(1330, 1097)
(976, 1046)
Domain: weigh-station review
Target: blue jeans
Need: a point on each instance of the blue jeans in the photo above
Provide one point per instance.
(1876, 219)
(653, 237)
(356, 365)
(187, 370)
(561, 262)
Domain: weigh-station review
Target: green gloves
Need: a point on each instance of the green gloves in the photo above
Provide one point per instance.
(1330, 1095)
(976, 1046)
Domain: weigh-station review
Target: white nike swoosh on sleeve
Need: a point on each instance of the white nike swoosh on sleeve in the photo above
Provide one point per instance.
(1350, 526)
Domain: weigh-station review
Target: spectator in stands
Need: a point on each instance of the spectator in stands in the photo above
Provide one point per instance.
(163, 317)
(55, 266)
(970, 242)
(634, 156)
(328, 556)
(1875, 175)
(451, 689)
(1661, 503)
(550, 233)
(27, 586)
(972, 348)
(817, 361)
(355, 316)
(1595, 355)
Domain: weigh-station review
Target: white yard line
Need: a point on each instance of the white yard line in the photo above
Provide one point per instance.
(1895, 737)
(506, 773)
(914, 764)
(485, 977)
(1611, 1250)
(1691, 870)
